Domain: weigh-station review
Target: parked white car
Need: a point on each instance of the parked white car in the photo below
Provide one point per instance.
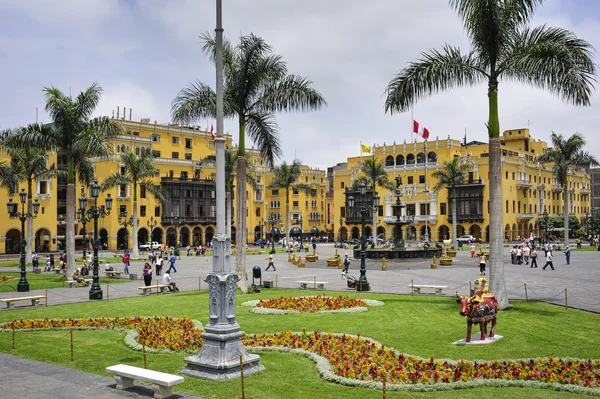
(149, 246)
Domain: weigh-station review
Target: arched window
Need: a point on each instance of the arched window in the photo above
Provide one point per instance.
(432, 157)
(400, 160)
(123, 147)
(420, 158)
(410, 159)
(137, 150)
(389, 161)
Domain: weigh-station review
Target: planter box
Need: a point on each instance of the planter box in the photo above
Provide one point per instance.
(451, 252)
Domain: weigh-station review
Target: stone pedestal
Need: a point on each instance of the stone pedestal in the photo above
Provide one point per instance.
(219, 357)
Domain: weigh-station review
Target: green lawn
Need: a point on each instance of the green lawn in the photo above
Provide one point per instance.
(45, 281)
(419, 325)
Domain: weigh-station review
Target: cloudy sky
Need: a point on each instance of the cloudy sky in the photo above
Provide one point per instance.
(142, 52)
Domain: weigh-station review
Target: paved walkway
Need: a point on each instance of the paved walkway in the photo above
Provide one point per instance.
(24, 378)
(581, 278)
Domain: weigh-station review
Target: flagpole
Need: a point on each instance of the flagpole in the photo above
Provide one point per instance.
(412, 122)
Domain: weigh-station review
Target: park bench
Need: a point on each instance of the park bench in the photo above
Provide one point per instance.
(416, 289)
(162, 383)
(112, 273)
(73, 282)
(146, 288)
(320, 284)
(35, 300)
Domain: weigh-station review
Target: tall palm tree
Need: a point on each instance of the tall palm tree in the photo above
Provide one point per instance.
(502, 46)
(28, 163)
(374, 175)
(451, 174)
(79, 137)
(286, 178)
(256, 86)
(566, 156)
(137, 170)
(231, 159)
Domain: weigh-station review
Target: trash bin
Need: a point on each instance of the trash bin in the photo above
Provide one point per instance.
(133, 276)
(256, 274)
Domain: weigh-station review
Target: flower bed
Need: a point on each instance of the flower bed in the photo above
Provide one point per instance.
(311, 304)
(353, 360)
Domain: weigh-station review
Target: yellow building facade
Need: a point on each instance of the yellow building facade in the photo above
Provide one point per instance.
(187, 217)
(528, 188)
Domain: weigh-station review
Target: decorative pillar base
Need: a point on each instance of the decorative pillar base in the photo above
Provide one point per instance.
(362, 286)
(219, 357)
(95, 294)
(22, 287)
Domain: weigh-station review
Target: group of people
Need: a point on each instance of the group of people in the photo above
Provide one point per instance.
(199, 250)
(527, 253)
(157, 260)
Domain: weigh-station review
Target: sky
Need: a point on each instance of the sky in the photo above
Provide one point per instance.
(143, 52)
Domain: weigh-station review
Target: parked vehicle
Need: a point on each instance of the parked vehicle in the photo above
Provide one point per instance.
(259, 243)
(148, 246)
(466, 239)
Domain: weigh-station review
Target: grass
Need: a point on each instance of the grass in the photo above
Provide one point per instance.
(418, 325)
(45, 281)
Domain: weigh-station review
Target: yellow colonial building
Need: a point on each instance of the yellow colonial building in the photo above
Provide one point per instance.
(188, 215)
(528, 188)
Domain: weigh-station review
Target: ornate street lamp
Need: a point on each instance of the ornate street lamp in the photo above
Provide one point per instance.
(123, 221)
(95, 212)
(23, 284)
(545, 216)
(82, 218)
(364, 209)
(151, 225)
(272, 221)
(300, 223)
(341, 225)
(262, 224)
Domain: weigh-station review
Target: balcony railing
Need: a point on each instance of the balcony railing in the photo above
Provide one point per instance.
(586, 191)
(524, 216)
(472, 217)
(557, 188)
(524, 184)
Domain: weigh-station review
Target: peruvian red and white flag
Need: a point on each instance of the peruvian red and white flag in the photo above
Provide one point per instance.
(212, 129)
(420, 130)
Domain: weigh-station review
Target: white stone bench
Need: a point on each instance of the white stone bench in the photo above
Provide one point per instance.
(35, 300)
(146, 288)
(320, 284)
(162, 383)
(416, 289)
(73, 282)
(112, 273)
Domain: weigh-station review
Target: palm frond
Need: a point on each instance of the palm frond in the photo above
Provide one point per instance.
(291, 93)
(114, 180)
(194, 102)
(87, 101)
(62, 113)
(451, 174)
(154, 189)
(85, 169)
(553, 59)
(263, 130)
(435, 71)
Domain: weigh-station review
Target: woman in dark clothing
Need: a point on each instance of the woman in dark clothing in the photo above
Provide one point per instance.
(147, 274)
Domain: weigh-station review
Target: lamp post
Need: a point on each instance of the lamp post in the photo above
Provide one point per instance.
(262, 226)
(545, 215)
(95, 212)
(272, 220)
(82, 218)
(341, 225)
(151, 225)
(23, 284)
(300, 223)
(364, 209)
(123, 221)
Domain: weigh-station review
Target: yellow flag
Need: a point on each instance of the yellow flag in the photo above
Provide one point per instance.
(365, 148)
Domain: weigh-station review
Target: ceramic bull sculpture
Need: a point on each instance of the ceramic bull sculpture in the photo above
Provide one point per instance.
(480, 309)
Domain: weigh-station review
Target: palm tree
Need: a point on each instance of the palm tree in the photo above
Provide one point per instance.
(374, 175)
(451, 174)
(137, 170)
(79, 137)
(286, 177)
(27, 164)
(566, 156)
(231, 159)
(502, 46)
(256, 86)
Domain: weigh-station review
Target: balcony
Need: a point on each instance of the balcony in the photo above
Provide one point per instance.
(524, 184)
(586, 191)
(423, 218)
(472, 217)
(393, 219)
(524, 216)
(557, 188)
(189, 220)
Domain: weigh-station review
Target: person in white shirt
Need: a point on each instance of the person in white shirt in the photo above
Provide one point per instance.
(108, 267)
(526, 255)
(548, 261)
(169, 282)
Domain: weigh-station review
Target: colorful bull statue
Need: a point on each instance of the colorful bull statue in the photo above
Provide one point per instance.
(481, 308)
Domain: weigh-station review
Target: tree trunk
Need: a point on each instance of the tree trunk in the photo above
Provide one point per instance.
(70, 233)
(566, 212)
(287, 218)
(374, 220)
(240, 219)
(30, 242)
(135, 253)
(454, 221)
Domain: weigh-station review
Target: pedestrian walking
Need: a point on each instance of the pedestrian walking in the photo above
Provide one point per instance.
(34, 261)
(346, 263)
(159, 265)
(482, 263)
(147, 273)
(172, 263)
(534, 256)
(271, 264)
(526, 254)
(548, 260)
(568, 255)
(126, 263)
(473, 252)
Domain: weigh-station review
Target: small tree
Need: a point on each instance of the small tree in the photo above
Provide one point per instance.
(451, 174)
(374, 175)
